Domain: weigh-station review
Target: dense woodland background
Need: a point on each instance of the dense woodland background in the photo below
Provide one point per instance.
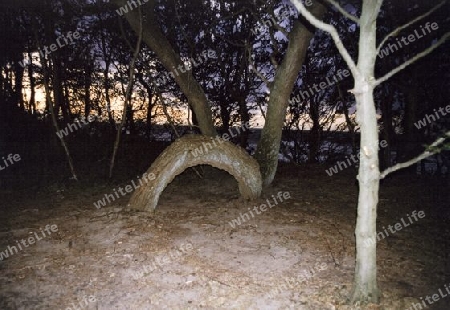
(102, 106)
(90, 75)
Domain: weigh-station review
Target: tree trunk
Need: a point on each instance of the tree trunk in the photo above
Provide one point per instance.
(53, 116)
(245, 119)
(349, 122)
(32, 105)
(193, 150)
(127, 105)
(157, 41)
(285, 77)
(388, 131)
(410, 137)
(18, 87)
(111, 120)
(66, 100)
(106, 85)
(148, 88)
(225, 116)
(58, 91)
(87, 90)
(129, 124)
(314, 133)
(365, 282)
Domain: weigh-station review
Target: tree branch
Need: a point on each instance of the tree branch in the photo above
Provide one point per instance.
(396, 31)
(432, 149)
(128, 93)
(275, 24)
(344, 12)
(412, 60)
(49, 101)
(255, 70)
(332, 31)
(158, 42)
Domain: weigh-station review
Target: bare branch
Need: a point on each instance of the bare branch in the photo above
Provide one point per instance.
(254, 69)
(273, 21)
(332, 31)
(412, 60)
(276, 25)
(396, 31)
(276, 50)
(281, 29)
(432, 149)
(128, 93)
(48, 98)
(344, 12)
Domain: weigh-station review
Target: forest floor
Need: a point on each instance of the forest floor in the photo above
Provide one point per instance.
(297, 254)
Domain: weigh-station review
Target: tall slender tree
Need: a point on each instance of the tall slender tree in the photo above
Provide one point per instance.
(365, 282)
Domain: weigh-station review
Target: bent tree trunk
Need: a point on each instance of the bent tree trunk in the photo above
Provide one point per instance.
(157, 41)
(285, 77)
(193, 150)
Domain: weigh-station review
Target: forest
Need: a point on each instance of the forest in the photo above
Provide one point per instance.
(221, 154)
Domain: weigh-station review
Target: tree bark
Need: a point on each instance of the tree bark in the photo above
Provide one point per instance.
(190, 151)
(285, 77)
(365, 283)
(158, 42)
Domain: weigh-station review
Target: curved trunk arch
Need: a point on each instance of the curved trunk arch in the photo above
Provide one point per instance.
(193, 150)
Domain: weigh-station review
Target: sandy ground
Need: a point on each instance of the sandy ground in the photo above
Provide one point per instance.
(297, 254)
